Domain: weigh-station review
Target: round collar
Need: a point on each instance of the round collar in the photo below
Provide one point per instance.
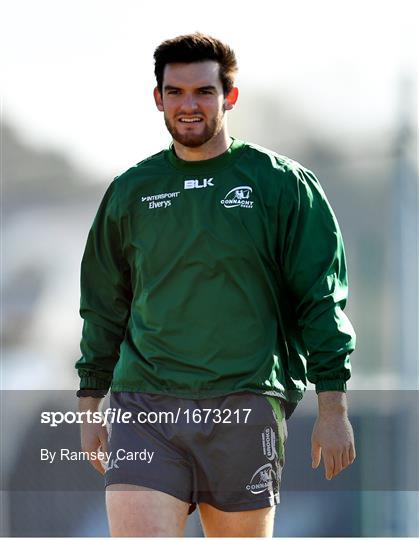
(206, 165)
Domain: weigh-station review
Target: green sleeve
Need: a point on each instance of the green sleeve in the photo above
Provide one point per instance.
(314, 267)
(105, 297)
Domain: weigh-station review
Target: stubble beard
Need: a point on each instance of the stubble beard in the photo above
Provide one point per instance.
(193, 140)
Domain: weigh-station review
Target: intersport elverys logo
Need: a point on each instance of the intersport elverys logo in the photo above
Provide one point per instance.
(238, 196)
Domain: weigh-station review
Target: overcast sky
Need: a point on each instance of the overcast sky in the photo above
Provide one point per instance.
(78, 74)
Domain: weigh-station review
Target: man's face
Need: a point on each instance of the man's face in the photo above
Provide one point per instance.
(192, 101)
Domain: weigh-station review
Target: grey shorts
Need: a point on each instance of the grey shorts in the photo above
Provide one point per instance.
(226, 451)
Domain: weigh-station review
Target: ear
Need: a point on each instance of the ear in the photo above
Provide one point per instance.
(158, 99)
(231, 98)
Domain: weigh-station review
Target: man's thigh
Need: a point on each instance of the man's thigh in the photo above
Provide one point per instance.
(247, 523)
(137, 511)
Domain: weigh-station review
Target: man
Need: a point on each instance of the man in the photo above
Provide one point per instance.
(213, 280)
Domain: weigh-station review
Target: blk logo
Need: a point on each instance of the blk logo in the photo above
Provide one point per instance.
(196, 184)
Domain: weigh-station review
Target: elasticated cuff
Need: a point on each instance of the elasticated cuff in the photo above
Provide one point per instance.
(94, 383)
(333, 385)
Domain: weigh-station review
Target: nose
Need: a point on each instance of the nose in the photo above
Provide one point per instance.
(189, 102)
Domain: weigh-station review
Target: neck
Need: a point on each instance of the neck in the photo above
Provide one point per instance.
(212, 148)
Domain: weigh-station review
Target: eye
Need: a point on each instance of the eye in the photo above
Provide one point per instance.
(205, 92)
(173, 92)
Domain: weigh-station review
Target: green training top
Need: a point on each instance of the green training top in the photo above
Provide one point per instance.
(203, 278)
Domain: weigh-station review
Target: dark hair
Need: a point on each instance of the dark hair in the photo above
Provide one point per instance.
(196, 47)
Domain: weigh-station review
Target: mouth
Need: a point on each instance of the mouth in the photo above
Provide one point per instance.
(190, 119)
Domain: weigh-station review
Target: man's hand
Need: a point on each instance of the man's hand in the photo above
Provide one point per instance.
(94, 437)
(332, 435)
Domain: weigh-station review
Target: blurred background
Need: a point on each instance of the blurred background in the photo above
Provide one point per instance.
(330, 84)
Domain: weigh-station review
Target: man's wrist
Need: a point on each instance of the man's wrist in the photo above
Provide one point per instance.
(332, 402)
(90, 398)
(89, 403)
